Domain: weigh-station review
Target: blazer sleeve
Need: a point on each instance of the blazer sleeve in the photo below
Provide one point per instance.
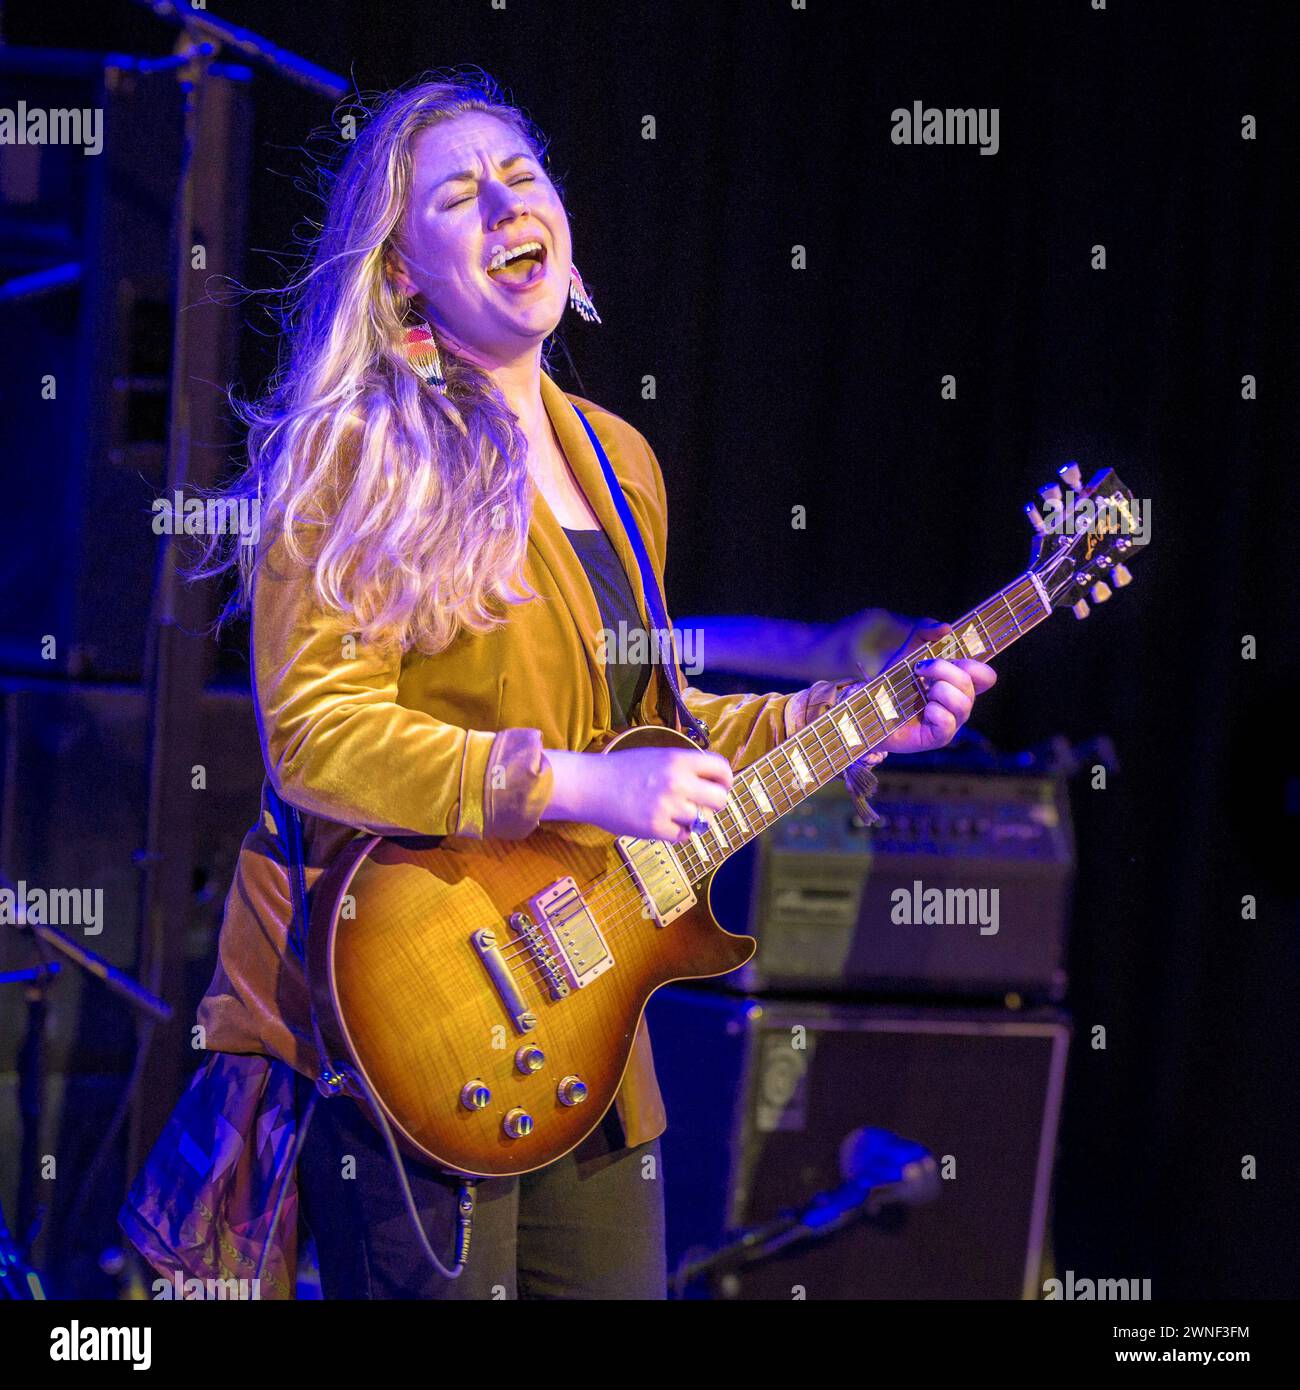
(742, 727)
(337, 743)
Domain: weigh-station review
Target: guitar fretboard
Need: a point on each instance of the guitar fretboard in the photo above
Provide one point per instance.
(777, 782)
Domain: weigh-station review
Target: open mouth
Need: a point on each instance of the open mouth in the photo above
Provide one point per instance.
(520, 266)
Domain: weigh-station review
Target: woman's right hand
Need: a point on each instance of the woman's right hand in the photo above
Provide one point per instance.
(654, 793)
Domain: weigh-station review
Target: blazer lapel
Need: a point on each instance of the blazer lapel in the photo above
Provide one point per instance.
(591, 478)
(552, 545)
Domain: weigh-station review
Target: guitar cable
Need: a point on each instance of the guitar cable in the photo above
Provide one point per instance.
(465, 1198)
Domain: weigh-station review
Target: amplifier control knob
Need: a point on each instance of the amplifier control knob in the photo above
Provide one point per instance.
(517, 1124)
(530, 1059)
(474, 1095)
(571, 1091)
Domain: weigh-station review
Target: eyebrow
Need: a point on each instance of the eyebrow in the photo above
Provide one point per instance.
(466, 174)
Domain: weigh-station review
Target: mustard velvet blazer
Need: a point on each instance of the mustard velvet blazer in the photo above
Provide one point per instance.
(403, 746)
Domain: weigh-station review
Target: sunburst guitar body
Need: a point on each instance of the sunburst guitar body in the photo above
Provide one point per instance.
(493, 1022)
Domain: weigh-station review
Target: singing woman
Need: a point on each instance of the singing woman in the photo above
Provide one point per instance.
(439, 556)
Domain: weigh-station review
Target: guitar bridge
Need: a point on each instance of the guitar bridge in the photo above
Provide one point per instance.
(563, 939)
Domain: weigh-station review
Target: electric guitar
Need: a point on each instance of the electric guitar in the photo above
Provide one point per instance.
(487, 993)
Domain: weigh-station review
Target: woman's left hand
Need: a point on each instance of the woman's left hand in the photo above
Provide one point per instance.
(950, 690)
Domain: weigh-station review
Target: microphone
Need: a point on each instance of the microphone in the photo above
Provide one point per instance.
(879, 1170)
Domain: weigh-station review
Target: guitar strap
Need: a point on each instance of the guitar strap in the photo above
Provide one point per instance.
(858, 777)
(696, 729)
(288, 825)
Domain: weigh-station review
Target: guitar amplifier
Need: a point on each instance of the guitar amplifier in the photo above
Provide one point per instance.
(963, 890)
(762, 1094)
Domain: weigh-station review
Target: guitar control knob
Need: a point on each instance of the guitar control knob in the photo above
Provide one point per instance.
(571, 1091)
(474, 1095)
(530, 1059)
(1120, 575)
(1081, 609)
(517, 1124)
(1100, 591)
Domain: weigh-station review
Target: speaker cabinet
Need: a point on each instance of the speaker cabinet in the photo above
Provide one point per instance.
(761, 1093)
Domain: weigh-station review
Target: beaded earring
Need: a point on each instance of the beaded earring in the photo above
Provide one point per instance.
(579, 297)
(420, 348)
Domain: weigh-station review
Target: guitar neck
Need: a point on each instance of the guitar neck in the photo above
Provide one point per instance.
(779, 781)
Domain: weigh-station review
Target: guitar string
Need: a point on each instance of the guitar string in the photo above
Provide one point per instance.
(609, 928)
(821, 760)
(877, 729)
(620, 878)
(820, 757)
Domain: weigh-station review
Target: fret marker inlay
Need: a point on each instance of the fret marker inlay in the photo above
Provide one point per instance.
(848, 731)
(974, 642)
(886, 706)
(800, 767)
(760, 796)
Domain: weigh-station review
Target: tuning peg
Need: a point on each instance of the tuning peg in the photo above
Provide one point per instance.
(1071, 476)
(1036, 519)
(1121, 576)
(1051, 493)
(1081, 609)
(1100, 591)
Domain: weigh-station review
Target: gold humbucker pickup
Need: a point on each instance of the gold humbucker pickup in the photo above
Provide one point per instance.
(565, 939)
(658, 874)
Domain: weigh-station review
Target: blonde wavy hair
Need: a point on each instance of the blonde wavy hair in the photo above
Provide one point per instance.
(410, 507)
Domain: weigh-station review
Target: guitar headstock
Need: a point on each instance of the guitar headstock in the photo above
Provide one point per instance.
(1085, 537)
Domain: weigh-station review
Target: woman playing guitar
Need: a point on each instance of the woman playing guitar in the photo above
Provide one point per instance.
(439, 554)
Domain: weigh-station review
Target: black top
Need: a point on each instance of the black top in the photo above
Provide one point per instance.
(616, 600)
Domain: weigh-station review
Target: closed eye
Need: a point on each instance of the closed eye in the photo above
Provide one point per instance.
(465, 197)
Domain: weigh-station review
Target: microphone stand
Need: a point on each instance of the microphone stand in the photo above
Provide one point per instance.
(18, 1278)
(868, 1196)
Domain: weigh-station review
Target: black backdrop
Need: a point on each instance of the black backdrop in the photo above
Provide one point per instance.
(821, 387)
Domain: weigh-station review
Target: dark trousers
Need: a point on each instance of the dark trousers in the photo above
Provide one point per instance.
(590, 1225)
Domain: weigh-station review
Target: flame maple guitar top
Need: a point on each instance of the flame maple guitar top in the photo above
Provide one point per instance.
(406, 997)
